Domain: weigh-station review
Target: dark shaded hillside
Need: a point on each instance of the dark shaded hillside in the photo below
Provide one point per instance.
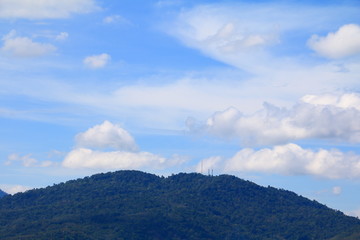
(136, 205)
(2, 193)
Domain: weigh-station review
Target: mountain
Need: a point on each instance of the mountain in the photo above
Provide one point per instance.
(137, 205)
(2, 193)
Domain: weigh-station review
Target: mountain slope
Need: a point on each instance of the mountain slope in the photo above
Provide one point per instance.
(137, 205)
(2, 193)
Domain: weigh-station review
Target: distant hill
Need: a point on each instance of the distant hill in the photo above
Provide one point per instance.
(2, 193)
(136, 205)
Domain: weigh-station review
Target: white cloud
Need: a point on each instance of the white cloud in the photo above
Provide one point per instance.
(62, 36)
(87, 158)
(315, 117)
(224, 34)
(97, 61)
(217, 29)
(345, 101)
(354, 213)
(107, 135)
(291, 159)
(27, 161)
(116, 19)
(168, 3)
(257, 38)
(344, 42)
(24, 46)
(12, 189)
(189, 94)
(42, 9)
(163, 103)
(336, 190)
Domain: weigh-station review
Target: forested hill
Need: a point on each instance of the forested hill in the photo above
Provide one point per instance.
(136, 205)
(2, 193)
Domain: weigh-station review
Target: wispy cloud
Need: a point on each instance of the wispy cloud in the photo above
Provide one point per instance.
(62, 36)
(164, 105)
(116, 19)
(254, 37)
(166, 3)
(27, 161)
(336, 190)
(42, 9)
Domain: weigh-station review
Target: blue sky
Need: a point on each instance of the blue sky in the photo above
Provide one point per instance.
(264, 90)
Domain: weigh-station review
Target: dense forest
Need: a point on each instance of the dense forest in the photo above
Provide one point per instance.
(137, 205)
(2, 193)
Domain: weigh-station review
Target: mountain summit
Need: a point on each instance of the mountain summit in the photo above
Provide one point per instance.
(137, 205)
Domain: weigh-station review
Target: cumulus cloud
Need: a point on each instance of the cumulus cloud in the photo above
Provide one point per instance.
(345, 101)
(97, 61)
(42, 9)
(24, 47)
(92, 151)
(314, 117)
(342, 43)
(291, 159)
(107, 135)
